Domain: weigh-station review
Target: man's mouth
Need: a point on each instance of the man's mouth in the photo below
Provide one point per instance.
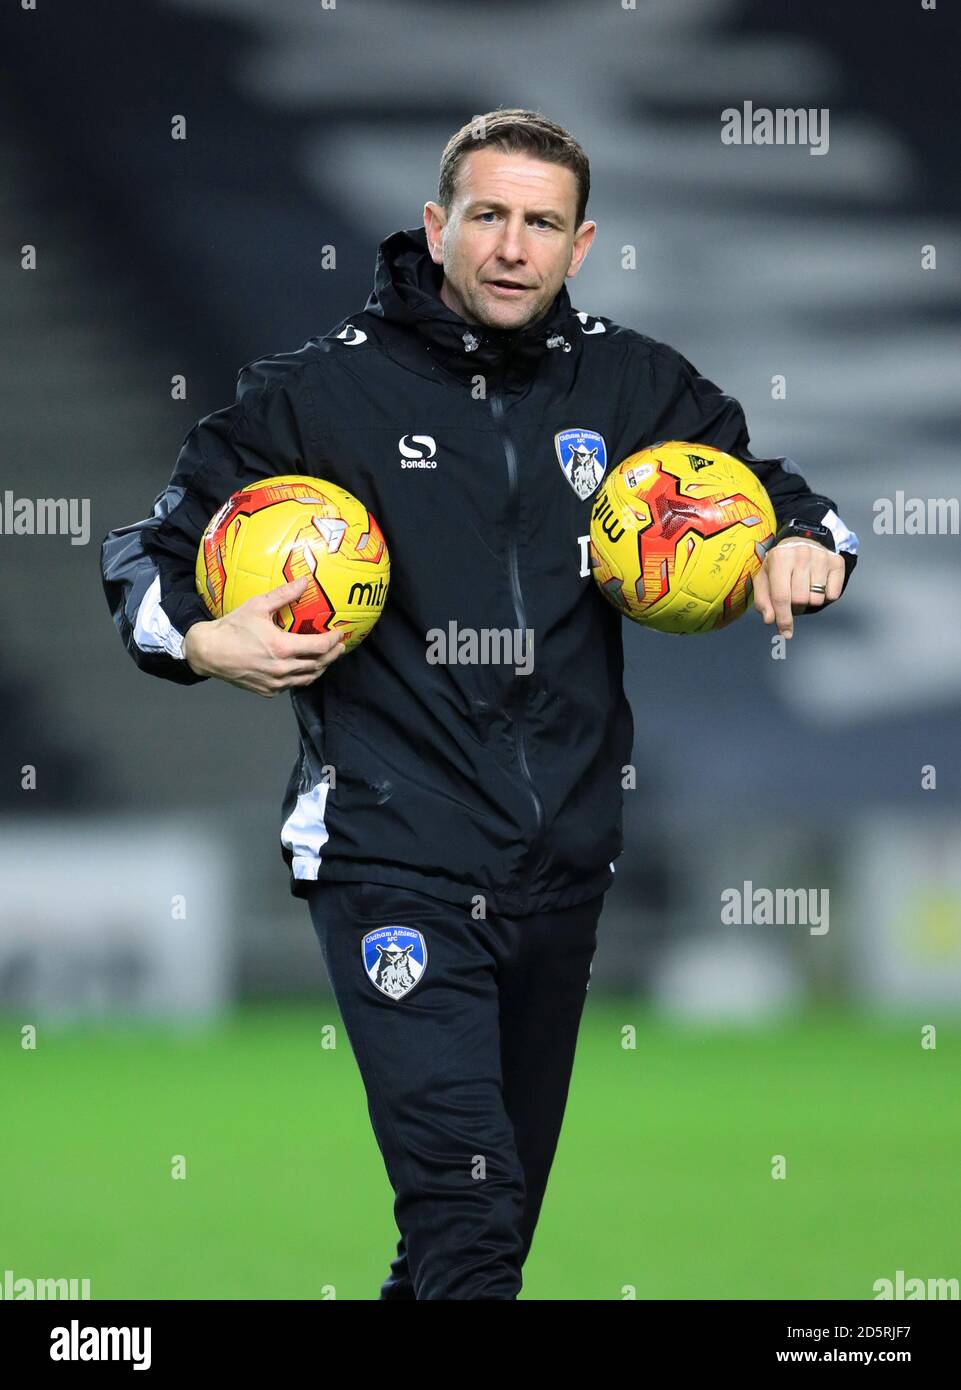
(509, 289)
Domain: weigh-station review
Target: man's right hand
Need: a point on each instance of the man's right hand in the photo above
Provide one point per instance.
(247, 648)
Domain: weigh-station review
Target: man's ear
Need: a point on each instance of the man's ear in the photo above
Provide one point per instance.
(582, 244)
(435, 220)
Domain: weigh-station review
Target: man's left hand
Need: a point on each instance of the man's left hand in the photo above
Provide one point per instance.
(782, 586)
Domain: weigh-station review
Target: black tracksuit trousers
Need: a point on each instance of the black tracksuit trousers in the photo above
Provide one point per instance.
(466, 1073)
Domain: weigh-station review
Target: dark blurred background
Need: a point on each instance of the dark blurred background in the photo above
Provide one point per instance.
(310, 127)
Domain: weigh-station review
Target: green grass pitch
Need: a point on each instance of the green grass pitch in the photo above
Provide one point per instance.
(662, 1181)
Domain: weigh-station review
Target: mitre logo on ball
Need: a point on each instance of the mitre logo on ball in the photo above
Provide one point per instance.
(582, 455)
(698, 461)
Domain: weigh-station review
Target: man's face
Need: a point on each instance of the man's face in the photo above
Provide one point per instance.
(509, 241)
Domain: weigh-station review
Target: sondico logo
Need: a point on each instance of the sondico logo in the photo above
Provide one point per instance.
(419, 453)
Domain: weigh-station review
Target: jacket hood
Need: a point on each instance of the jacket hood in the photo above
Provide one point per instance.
(407, 293)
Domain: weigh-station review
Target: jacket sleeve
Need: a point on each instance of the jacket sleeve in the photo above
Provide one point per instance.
(689, 406)
(148, 567)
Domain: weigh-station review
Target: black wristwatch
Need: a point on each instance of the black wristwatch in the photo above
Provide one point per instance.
(807, 531)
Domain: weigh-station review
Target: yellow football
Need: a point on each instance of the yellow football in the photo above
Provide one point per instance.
(678, 532)
(285, 528)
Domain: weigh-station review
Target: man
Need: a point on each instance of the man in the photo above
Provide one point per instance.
(454, 823)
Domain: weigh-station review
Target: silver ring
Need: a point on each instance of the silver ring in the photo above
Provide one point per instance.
(818, 588)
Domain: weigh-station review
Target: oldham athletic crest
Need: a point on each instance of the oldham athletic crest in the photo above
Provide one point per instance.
(394, 958)
(582, 455)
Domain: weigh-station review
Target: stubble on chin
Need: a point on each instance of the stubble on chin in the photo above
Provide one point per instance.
(475, 310)
(511, 325)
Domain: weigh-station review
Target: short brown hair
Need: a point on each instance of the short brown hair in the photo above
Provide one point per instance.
(515, 131)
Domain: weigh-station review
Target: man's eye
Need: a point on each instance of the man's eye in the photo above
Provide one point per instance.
(543, 221)
(488, 214)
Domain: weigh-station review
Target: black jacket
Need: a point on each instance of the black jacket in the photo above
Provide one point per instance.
(458, 778)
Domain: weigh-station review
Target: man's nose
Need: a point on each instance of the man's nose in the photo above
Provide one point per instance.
(511, 246)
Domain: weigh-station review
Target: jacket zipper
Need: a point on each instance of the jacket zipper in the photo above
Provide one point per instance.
(510, 453)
